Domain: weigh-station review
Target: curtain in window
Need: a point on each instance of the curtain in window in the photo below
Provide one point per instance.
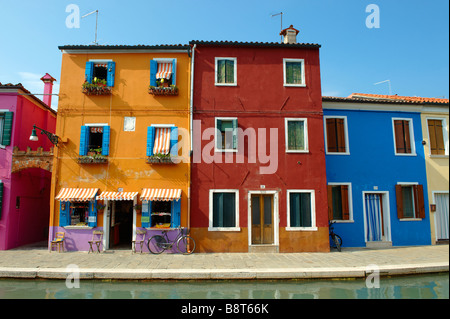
(408, 202)
(293, 73)
(300, 210)
(296, 135)
(224, 210)
(442, 216)
(373, 217)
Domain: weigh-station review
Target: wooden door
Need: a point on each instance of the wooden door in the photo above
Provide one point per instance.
(262, 219)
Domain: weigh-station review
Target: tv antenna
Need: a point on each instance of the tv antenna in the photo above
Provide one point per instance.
(279, 14)
(389, 82)
(96, 23)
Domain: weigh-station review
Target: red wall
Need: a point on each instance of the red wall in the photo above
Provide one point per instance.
(259, 101)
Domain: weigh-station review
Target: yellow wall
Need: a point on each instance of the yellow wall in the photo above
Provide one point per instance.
(126, 167)
(436, 166)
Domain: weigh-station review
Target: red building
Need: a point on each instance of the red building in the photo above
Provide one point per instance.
(258, 171)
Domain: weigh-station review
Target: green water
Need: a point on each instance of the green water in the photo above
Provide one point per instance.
(434, 286)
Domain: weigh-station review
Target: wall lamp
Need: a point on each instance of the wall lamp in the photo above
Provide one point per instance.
(52, 137)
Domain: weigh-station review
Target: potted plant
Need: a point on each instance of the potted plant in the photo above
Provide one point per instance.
(97, 87)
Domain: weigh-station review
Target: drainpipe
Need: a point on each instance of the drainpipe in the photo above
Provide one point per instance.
(191, 115)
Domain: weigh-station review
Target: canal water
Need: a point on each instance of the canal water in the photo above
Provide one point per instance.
(435, 286)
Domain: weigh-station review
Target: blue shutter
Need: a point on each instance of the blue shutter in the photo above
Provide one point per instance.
(145, 215)
(84, 140)
(92, 213)
(64, 215)
(105, 140)
(89, 72)
(150, 140)
(174, 72)
(176, 214)
(111, 74)
(153, 70)
(174, 141)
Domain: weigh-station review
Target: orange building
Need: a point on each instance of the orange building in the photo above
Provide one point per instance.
(123, 164)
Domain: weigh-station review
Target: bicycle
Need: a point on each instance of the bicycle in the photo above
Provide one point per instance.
(336, 240)
(184, 243)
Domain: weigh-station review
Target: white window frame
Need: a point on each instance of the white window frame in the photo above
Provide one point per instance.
(313, 210)
(305, 126)
(444, 132)
(211, 207)
(411, 136)
(226, 150)
(216, 73)
(350, 202)
(302, 61)
(347, 146)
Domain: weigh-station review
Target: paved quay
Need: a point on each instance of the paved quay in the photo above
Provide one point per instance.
(38, 262)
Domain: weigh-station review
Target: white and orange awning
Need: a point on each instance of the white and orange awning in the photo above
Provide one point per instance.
(162, 141)
(164, 71)
(76, 194)
(165, 195)
(117, 196)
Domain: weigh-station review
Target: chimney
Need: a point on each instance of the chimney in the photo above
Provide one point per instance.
(289, 35)
(48, 88)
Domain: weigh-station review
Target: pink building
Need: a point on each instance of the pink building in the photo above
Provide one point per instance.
(25, 166)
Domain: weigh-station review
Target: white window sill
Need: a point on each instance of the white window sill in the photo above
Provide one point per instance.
(294, 85)
(337, 153)
(224, 228)
(410, 219)
(342, 221)
(225, 84)
(403, 154)
(301, 228)
(225, 151)
(298, 152)
(430, 156)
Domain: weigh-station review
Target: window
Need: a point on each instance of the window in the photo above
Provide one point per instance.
(336, 137)
(161, 208)
(339, 199)
(162, 140)
(438, 137)
(410, 201)
(223, 210)
(100, 72)
(294, 72)
(403, 137)
(163, 72)
(296, 136)
(226, 71)
(129, 124)
(6, 119)
(301, 210)
(78, 213)
(226, 134)
(94, 139)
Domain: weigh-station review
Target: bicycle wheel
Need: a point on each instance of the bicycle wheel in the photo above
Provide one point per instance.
(186, 245)
(337, 242)
(157, 244)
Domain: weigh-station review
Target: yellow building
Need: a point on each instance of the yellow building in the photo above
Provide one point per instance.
(123, 164)
(435, 128)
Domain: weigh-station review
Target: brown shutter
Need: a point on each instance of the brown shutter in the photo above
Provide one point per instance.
(331, 135)
(407, 136)
(419, 201)
(340, 131)
(439, 137)
(398, 192)
(399, 139)
(345, 206)
(330, 202)
(432, 137)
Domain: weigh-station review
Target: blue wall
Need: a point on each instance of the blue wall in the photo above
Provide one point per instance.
(372, 162)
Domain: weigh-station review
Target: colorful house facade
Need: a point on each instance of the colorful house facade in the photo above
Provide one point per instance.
(378, 182)
(25, 166)
(118, 172)
(258, 165)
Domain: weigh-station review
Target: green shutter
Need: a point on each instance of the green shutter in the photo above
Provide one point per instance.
(7, 128)
(229, 71)
(221, 71)
(235, 134)
(224, 210)
(296, 135)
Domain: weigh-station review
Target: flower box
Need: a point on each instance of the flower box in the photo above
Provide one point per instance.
(154, 90)
(159, 160)
(92, 160)
(96, 90)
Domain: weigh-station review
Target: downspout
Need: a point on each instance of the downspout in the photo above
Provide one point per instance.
(191, 114)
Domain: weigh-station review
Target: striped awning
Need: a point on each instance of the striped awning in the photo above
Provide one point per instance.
(164, 71)
(117, 196)
(101, 65)
(165, 195)
(76, 194)
(162, 141)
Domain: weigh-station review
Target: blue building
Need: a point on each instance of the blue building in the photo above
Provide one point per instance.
(376, 174)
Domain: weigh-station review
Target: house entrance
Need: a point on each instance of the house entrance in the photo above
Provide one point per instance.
(121, 225)
(262, 208)
(376, 217)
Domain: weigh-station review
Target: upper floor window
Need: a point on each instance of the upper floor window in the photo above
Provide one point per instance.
(6, 119)
(294, 72)
(226, 134)
(226, 71)
(162, 143)
(403, 137)
(163, 72)
(100, 72)
(296, 135)
(94, 140)
(438, 137)
(336, 137)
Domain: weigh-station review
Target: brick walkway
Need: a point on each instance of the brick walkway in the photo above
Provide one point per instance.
(122, 264)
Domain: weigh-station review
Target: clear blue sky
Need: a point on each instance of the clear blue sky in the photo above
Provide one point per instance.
(411, 47)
